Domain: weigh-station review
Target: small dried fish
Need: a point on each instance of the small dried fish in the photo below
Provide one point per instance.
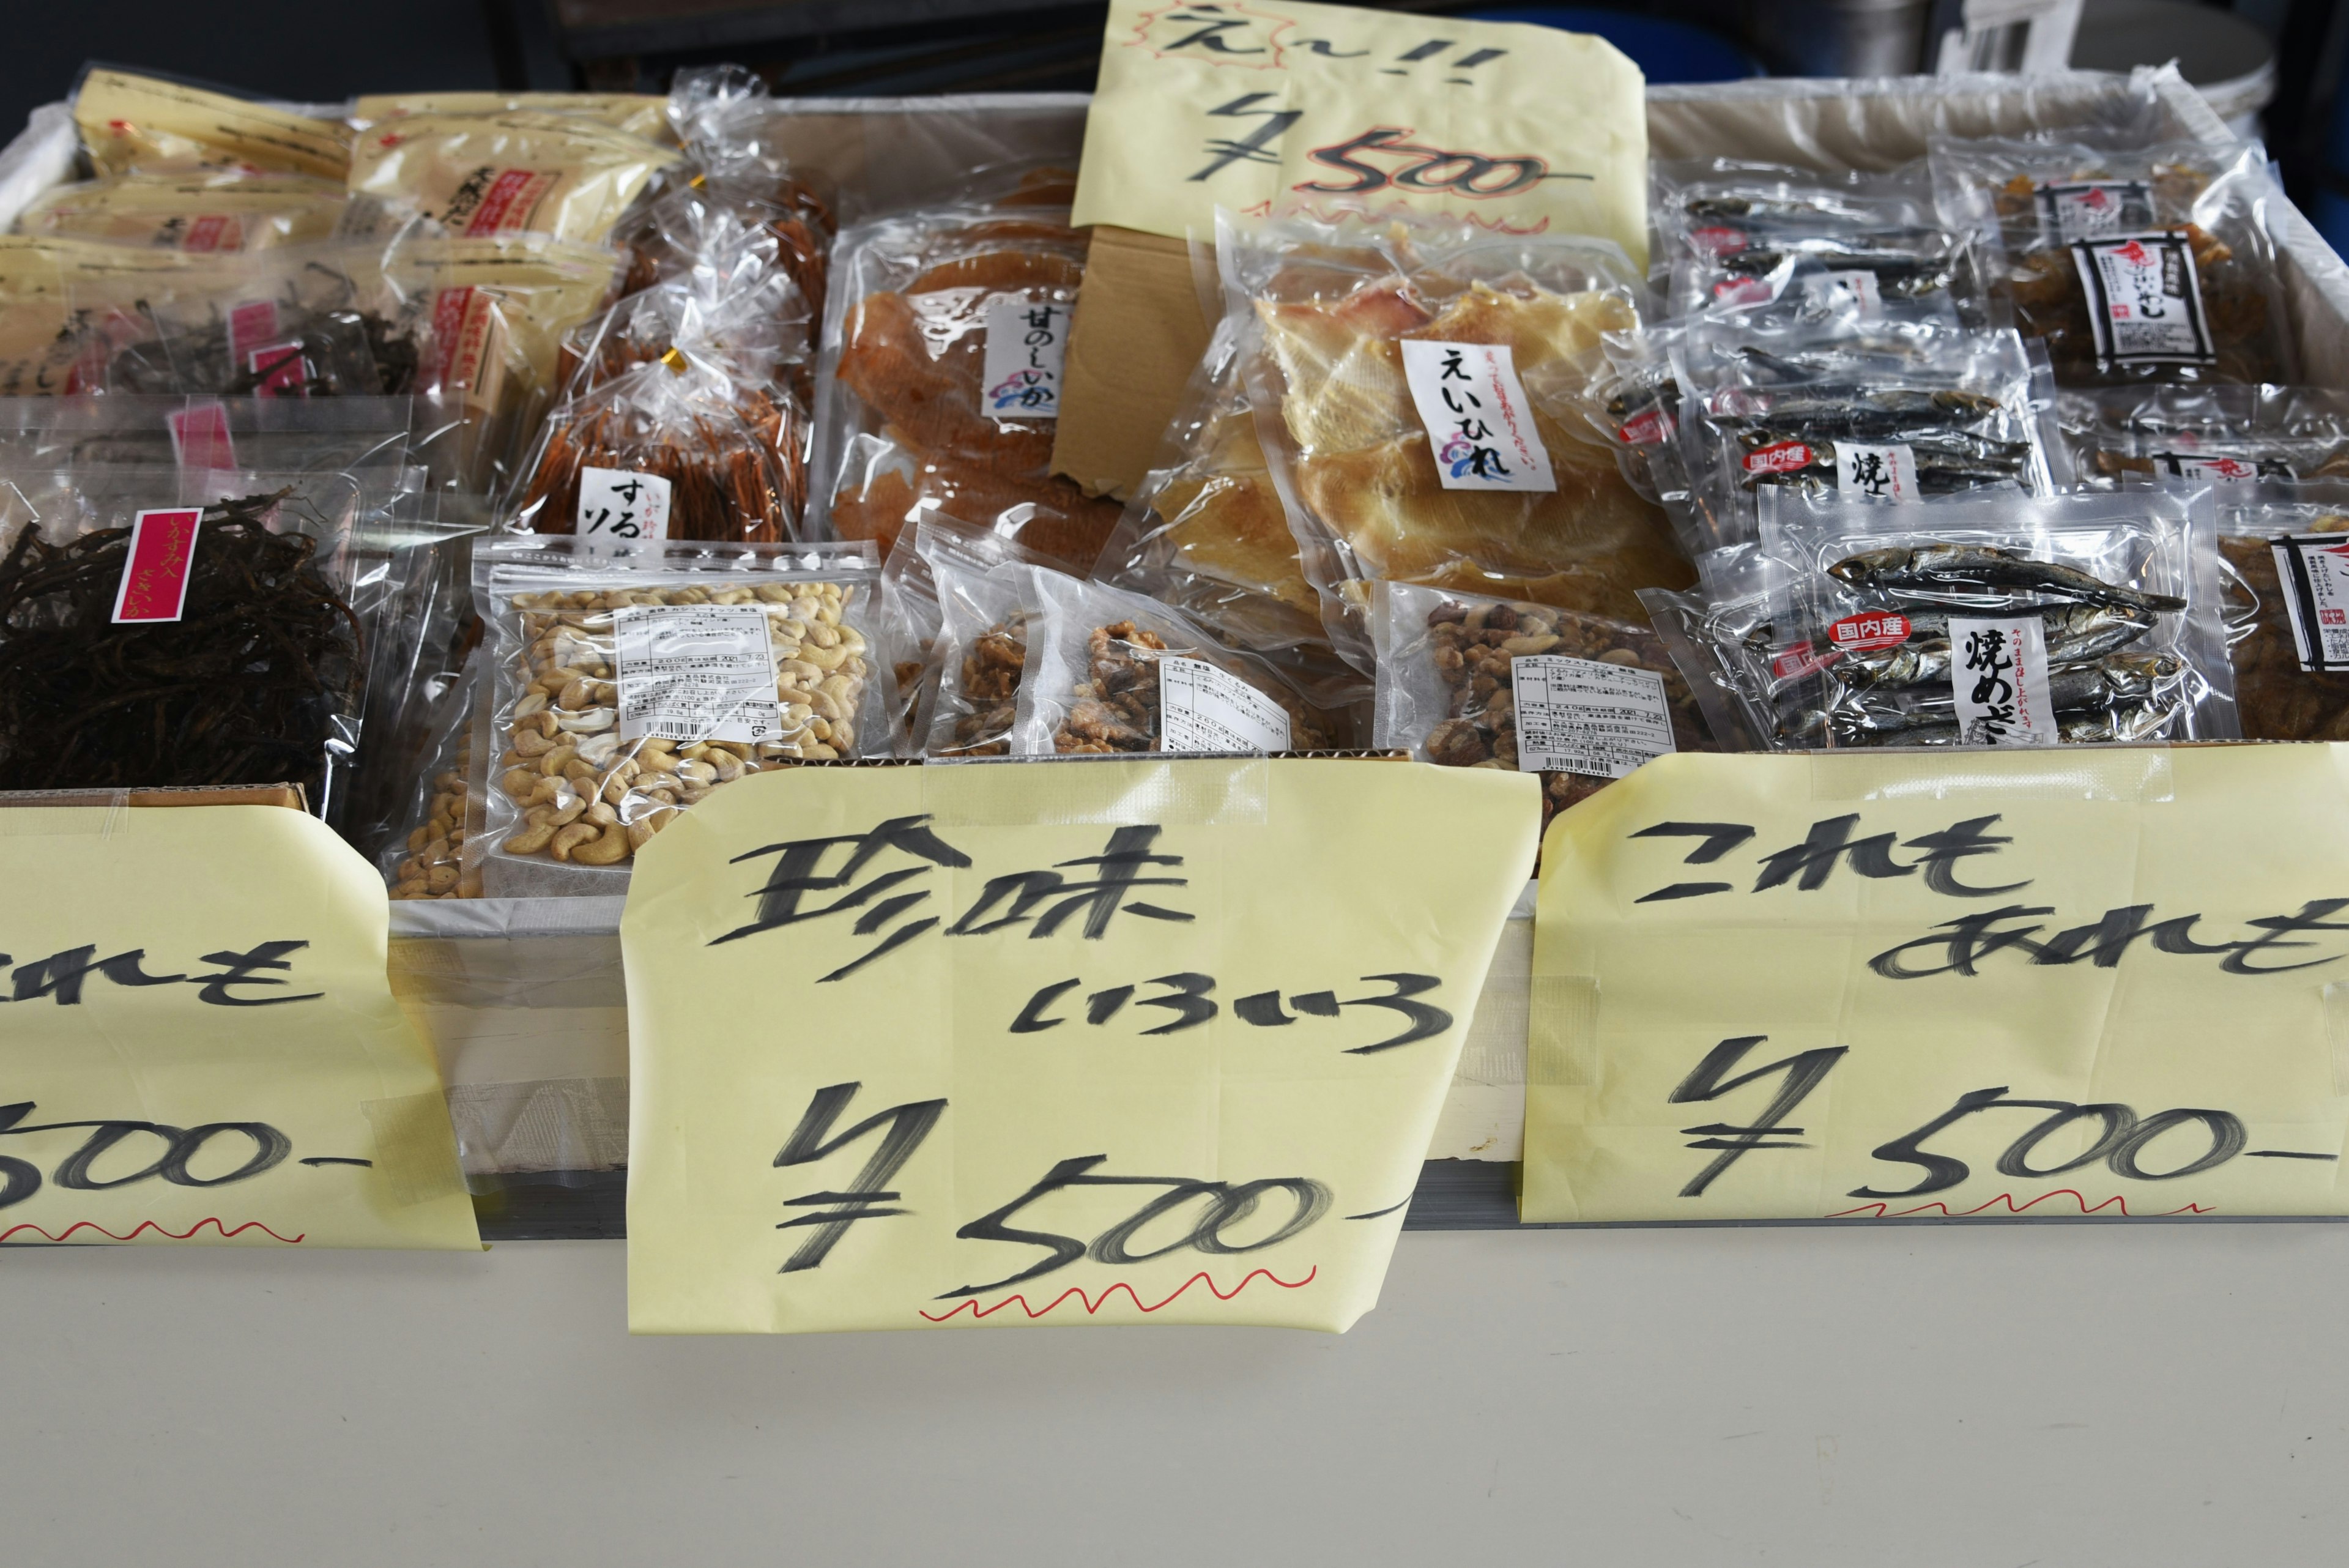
(1984, 576)
(2076, 634)
(2114, 682)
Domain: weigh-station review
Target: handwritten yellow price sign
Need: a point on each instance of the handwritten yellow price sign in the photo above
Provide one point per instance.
(2052, 983)
(1127, 1042)
(198, 1040)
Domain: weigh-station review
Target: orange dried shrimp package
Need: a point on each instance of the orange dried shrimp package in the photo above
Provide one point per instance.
(941, 376)
(1417, 391)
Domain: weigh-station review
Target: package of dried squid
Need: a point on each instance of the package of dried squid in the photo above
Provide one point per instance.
(1774, 242)
(1418, 390)
(1999, 619)
(939, 387)
(627, 686)
(1467, 681)
(2220, 435)
(2145, 264)
(2286, 546)
(1106, 671)
(1901, 411)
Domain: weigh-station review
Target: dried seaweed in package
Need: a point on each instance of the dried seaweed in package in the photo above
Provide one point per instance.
(1418, 392)
(940, 378)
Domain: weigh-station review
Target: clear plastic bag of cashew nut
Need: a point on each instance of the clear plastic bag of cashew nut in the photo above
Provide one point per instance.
(626, 687)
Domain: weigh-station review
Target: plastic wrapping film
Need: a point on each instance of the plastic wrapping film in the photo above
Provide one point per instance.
(931, 616)
(2205, 434)
(1348, 330)
(521, 170)
(2290, 683)
(627, 686)
(215, 209)
(274, 435)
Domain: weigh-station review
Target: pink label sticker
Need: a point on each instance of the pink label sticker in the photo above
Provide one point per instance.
(200, 438)
(163, 556)
(283, 372)
(214, 232)
(250, 326)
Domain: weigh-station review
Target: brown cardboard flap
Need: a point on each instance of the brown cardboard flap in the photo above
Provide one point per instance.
(283, 795)
(1140, 333)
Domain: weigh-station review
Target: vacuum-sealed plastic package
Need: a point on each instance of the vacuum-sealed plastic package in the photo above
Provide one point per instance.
(1902, 412)
(428, 861)
(939, 384)
(639, 113)
(628, 686)
(1795, 245)
(1107, 671)
(985, 608)
(1418, 392)
(1206, 534)
(160, 627)
(657, 452)
(2285, 542)
(475, 175)
(216, 210)
(1467, 681)
(271, 435)
(1996, 620)
(2144, 264)
(2206, 434)
(927, 576)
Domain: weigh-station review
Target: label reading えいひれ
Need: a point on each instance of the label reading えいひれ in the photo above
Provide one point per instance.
(695, 672)
(1477, 419)
(1204, 709)
(1027, 345)
(1586, 716)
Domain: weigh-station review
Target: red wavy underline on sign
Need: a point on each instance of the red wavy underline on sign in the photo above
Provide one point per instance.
(1092, 1306)
(145, 1225)
(1877, 1211)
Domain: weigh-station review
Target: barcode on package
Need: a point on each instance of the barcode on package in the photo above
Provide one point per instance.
(1203, 709)
(1585, 716)
(695, 672)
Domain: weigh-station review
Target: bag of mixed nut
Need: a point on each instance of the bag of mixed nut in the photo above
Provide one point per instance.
(1107, 671)
(429, 861)
(1466, 682)
(628, 686)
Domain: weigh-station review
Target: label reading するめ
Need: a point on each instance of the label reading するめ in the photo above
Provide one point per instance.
(2143, 304)
(695, 672)
(1027, 345)
(619, 505)
(1586, 716)
(1204, 709)
(1476, 415)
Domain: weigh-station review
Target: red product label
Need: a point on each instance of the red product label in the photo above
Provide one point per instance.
(250, 326)
(200, 437)
(1800, 659)
(213, 233)
(1781, 457)
(1717, 242)
(508, 202)
(1647, 430)
(284, 372)
(1742, 291)
(155, 578)
(450, 308)
(1876, 630)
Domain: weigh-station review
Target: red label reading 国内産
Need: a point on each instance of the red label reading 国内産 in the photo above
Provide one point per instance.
(1864, 631)
(163, 554)
(1647, 430)
(1799, 660)
(1782, 457)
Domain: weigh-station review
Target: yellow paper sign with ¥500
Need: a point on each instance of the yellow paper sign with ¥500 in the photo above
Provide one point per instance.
(1266, 107)
(1898, 984)
(198, 1040)
(1124, 1042)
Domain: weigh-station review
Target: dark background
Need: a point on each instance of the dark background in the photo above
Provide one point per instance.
(324, 52)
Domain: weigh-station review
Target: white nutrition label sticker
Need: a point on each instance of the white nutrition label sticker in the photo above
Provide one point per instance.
(695, 672)
(1857, 291)
(2143, 302)
(1876, 473)
(1998, 673)
(619, 505)
(2092, 209)
(1586, 716)
(2313, 569)
(1202, 709)
(1476, 415)
(1027, 345)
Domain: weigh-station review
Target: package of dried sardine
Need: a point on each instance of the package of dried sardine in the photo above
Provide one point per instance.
(1997, 620)
(627, 686)
(2153, 264)
(1788, 243)
(2205, 434)
(1467, 680)
(659, 452)
(1205, 532)
(163, 627)
(1419, 393)
(1900, 411)
(1108, 672)
(939, 389)
(2286, 546)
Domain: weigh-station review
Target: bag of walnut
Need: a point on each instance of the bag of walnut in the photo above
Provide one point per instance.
(1469, 681)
